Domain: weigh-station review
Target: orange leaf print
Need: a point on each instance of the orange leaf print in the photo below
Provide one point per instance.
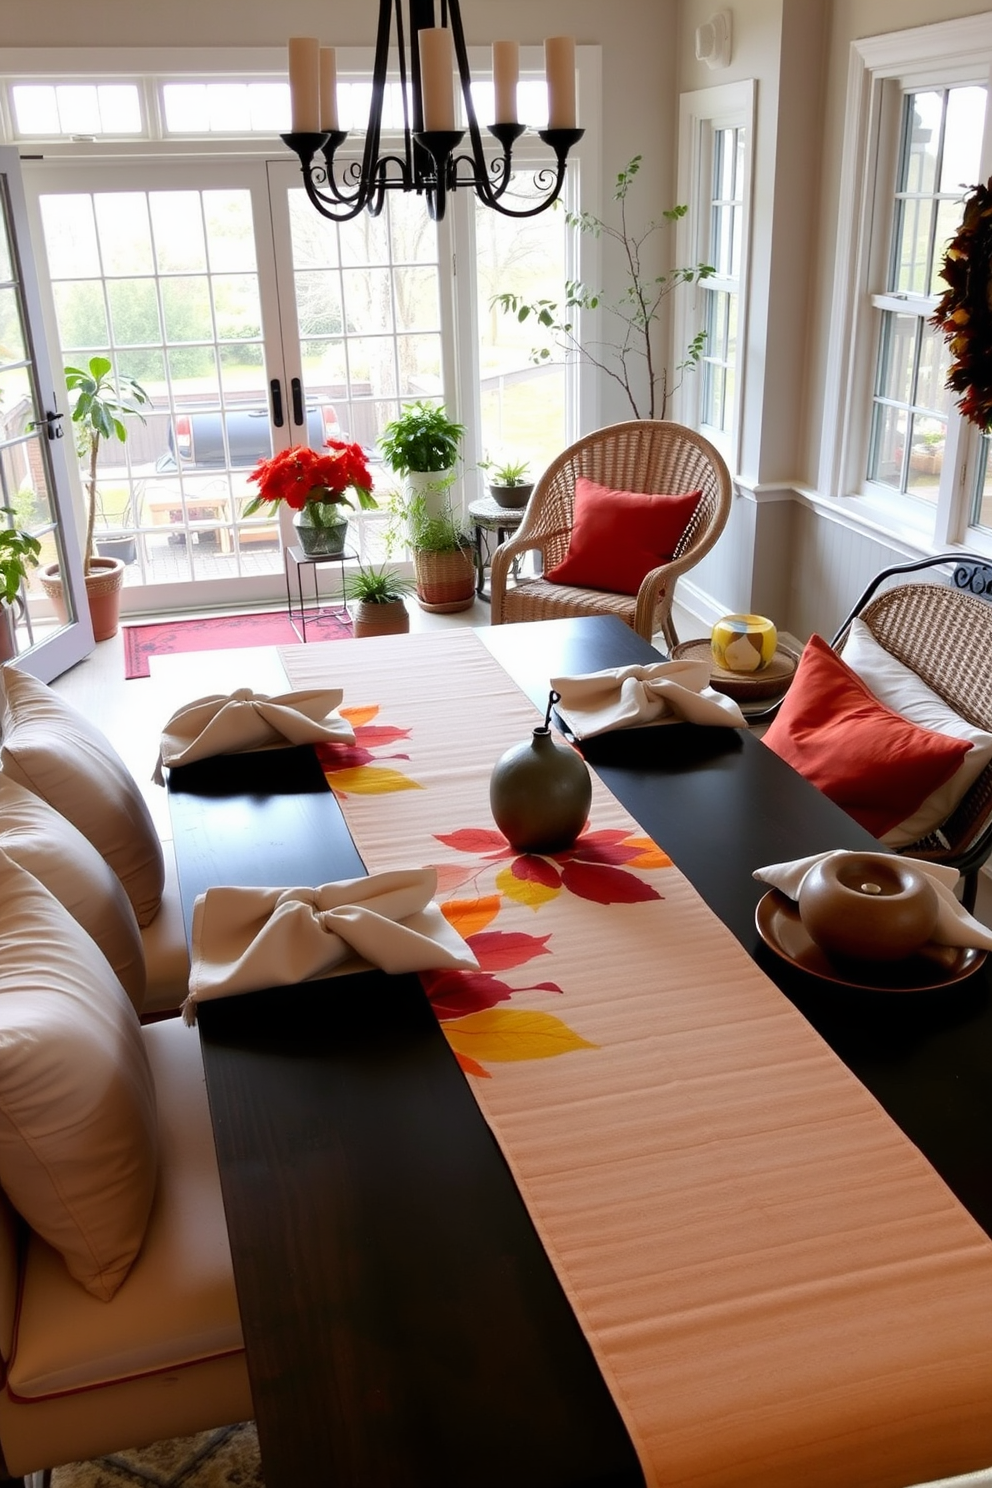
(650, 856)
(369, 780)
(525, 891)
(471, 1066)
(357, 716)
(468, 916)
(479, 840)
(504, 1035)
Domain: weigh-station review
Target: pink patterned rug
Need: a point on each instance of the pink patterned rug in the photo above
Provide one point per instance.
(221, 633)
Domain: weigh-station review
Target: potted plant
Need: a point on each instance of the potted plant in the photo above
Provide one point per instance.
(377, 595)
(509, 483)
(18, 551)
(316, 484)
(422, 447)
(102, 403)
(443, 560)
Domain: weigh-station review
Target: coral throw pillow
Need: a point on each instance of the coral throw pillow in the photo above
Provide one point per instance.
(870, 761)
(619, 536)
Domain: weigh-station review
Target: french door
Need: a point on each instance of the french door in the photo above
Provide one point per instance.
(253, 323)
(34, 477)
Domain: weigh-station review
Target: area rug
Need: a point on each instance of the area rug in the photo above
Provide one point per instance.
(223, 1458)
(222, 633)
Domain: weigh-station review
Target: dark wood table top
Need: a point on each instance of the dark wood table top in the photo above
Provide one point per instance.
(402, 1323)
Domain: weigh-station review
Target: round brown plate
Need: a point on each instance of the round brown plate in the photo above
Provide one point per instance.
(780, 927)
(770, 682)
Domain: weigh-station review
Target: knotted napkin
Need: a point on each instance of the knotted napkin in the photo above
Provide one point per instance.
(638, 696)
(240, 721)
(955, 926)
(248, 938)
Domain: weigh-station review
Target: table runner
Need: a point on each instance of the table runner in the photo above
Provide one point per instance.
(777, 1286)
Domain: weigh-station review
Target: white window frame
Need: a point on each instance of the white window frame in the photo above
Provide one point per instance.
(880, 70)
(701, 114)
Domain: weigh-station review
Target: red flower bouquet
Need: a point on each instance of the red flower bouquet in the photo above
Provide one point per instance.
(303, 477)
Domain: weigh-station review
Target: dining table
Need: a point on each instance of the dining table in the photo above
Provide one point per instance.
(405, 1317)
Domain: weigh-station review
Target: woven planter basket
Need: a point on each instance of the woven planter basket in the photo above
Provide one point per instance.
(445, 581)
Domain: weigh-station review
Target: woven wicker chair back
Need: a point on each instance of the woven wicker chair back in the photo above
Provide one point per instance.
(647, 455)
(945, 637)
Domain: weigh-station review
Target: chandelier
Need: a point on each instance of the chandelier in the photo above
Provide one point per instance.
(430, 163)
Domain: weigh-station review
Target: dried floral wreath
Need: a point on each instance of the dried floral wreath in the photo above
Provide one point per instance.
(964, 311)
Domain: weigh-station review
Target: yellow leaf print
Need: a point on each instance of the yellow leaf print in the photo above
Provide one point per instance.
(501, 1035)
(468, 916)
(651, 857)
(524, 891)
(369, 780)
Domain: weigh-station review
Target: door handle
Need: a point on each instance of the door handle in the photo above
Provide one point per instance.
(53, 422)
(297, 388)
(275, 388)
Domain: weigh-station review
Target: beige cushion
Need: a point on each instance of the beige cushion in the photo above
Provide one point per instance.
(178, 1304)
(899, 688)
(165, 947)
(53, 750)
(49, 846)
(78, 1143)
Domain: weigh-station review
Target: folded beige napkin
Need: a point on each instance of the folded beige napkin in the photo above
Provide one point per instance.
(636, 696)
(244, 720)
(955, 926)
(248, 938)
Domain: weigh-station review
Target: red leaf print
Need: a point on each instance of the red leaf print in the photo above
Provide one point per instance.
(496, 950)
(452, 994)
(477, 840)
(374, 735)
(531, 869)
(604, 852)
(604, 885)
(344, 757)
(470, 1066)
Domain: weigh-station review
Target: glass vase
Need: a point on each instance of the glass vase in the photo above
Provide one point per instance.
(321, 529)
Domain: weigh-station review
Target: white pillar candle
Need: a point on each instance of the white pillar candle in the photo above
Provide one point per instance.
(304, 84)
(328, 89)
(436, 67)
(506, 74)
(559, 61)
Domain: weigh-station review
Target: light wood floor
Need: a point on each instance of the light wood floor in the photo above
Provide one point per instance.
(132, 713)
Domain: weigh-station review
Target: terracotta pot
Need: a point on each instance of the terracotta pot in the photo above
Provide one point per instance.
(445, 581)
(380, 619)
(103, 594)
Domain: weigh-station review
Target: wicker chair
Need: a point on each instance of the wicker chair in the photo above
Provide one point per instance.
(944, 635)
(643, 455)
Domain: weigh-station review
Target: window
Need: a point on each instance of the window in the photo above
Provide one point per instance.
(917, 139)
(939, 154)
(716, 129)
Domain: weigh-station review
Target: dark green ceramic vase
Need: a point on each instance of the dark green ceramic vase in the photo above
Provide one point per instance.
(540, 793)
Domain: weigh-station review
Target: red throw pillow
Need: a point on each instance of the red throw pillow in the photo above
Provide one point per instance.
(869, 760)
(619, 536)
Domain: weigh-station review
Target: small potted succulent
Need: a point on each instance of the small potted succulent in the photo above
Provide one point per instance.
(509, 483)
(376, 592)
(18, 551)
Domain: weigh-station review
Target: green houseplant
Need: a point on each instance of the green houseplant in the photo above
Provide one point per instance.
(423, 440)
(376, 592)
(18, 552)
(633, 359)
(443, 556)
(509, 482)
(102, 402)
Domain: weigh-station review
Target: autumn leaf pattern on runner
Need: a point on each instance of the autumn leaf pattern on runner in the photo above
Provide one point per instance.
(600, 868)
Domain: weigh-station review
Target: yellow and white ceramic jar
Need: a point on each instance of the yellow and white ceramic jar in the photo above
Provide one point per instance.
(743, 643)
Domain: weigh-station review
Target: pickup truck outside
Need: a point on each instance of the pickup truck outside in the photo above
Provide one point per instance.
(196, 440)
